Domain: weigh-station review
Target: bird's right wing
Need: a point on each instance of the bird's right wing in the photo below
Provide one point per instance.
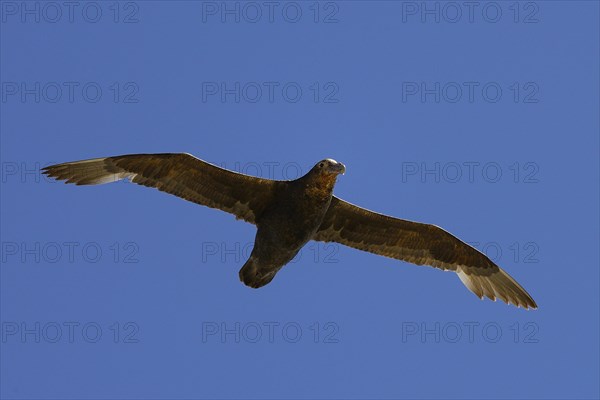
(420, 244)
(180, 174)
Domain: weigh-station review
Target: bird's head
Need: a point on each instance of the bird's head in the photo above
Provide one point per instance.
(329, 167)
(323, 175)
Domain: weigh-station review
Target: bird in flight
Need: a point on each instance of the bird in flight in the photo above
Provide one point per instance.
(288, 214)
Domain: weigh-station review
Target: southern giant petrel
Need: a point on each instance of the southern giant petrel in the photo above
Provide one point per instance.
(288, 214)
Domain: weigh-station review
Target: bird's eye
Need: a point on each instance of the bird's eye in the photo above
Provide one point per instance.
(321, 165)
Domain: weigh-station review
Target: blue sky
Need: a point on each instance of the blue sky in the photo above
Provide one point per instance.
(482, 119)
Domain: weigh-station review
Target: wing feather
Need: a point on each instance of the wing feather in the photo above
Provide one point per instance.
(420, 244)
(180, 174)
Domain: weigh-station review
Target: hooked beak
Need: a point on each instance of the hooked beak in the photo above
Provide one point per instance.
(338, 168)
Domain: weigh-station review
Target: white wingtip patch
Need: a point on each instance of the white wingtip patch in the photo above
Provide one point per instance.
(498, 285)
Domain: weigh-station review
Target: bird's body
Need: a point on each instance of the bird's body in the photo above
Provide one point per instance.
(288, 214)
(290, 220)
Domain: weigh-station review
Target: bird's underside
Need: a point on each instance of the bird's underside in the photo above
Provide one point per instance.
(290, 213)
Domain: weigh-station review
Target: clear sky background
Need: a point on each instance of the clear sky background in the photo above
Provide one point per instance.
(481, 119)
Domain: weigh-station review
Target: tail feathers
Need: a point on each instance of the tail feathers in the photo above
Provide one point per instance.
(255, 276)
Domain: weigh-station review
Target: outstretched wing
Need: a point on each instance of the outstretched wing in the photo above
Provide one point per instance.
(181, 174)
(420, 244)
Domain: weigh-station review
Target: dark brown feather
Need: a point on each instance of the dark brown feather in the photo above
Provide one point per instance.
(420, 244)
(180, 174)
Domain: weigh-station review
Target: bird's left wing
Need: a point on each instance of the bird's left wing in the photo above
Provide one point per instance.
(180, 174)
(420, 244)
